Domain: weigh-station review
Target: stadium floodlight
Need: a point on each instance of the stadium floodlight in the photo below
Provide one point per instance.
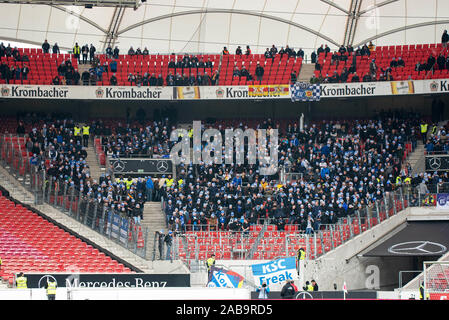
(84, 3)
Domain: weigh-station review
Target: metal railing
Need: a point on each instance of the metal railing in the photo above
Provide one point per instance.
(67, 198)
(285, 243)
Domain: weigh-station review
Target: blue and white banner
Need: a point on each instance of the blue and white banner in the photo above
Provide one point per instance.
(443, 201)
(115, 232)
(275, 271)
(302, 91)
(124, 230)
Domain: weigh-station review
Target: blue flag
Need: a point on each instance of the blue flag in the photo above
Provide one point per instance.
(302, 91)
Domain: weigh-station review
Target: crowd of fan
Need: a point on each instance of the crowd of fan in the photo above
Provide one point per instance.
(437, 140)
(148, 140)
(55, 142)
(344, 166)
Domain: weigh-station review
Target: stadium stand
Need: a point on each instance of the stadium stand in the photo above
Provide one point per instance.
(29, 243)
(421, 61)
(416, 66)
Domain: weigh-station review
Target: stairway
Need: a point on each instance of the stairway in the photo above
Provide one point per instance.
(416, 159)
(92, 161)
(306, 72)
(83, 67)
(154, 220)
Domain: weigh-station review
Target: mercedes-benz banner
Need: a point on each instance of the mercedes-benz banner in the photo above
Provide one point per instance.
(109, 280)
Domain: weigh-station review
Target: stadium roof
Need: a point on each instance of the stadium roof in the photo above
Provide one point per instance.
(179, 26)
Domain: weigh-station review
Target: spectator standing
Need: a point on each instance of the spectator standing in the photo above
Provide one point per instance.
(25, 71)
(116, 52)
(149, 189)
(445, 39)
(46, 47)
(313, 57)
(259, 72)
(160, 238)
(92, 51)
(85, 52)
(168, 241)
(56, 49)
(288, 291)
(315, 285)
(263, 291)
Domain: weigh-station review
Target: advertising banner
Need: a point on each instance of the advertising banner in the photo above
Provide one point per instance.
(443, 201)
(437, 162)
(224, 92)
(274, 272)
(109, 280)
(269, 91)
(86, 92)
(402, 87)
(318, 295)
(327, 90)
(186, 93)
(222, 278)
(141, 166)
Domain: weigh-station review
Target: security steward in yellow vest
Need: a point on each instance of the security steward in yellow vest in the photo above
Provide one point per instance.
(1, 263)
(424, 132)
(308, 286)
(300, 255)
(86, 136)
(421, 292)
(210, 262)
(21, 282)
(169, 181)
(51, 289)
(128, 183)
(77, 133)
(77, 51)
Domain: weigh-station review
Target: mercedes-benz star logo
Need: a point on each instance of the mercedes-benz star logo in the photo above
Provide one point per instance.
(162, 166)
(304, 295)
(118, 166)
(46, 277)
(435, 163)
(418, 248)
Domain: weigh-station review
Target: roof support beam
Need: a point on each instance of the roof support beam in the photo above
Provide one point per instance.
(405, 28)
(377, 6)
(351, 23)
(111, 35)
(232, 11)
(79, 17)
(336, 6)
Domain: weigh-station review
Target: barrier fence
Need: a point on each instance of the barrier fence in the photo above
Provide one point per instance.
(66, 197)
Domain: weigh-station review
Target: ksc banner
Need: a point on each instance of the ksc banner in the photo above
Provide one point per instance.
(222, 278)
(443, 201)
(302, 91)
(274, 272)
